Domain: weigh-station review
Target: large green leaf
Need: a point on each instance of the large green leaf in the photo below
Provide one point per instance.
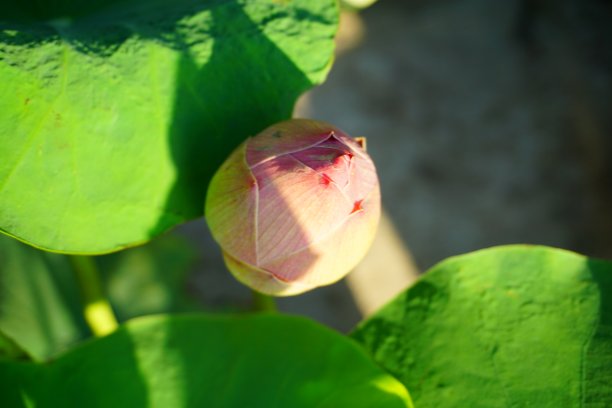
(515, 326)
(113, 117)
(205, 361)
(40, 309)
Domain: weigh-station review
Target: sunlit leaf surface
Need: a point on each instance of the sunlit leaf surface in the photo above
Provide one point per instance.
(516, 326)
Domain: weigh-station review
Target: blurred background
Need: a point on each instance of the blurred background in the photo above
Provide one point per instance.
(489, 122)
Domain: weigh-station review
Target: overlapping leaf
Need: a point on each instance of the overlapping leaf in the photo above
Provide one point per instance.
(204, 361)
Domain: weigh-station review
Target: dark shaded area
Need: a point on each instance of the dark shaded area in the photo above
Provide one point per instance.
(598, 354)
(10, 350)
(113, 363)
(100, 30)
(39, 301)
(41, 10)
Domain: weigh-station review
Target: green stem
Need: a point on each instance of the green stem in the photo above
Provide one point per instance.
(263, 303)
(96, 308)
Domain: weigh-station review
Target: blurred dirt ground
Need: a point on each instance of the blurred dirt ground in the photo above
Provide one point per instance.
(490, 123)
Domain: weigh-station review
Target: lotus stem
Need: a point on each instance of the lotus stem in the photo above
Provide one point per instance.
(97, 310)
(263, 303)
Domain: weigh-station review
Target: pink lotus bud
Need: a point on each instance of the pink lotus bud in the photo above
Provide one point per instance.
(294, 207)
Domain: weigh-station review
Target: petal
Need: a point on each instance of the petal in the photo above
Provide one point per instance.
(331, 258)
(286, 137)
(231, 205)
(262, 281)
(296, 206)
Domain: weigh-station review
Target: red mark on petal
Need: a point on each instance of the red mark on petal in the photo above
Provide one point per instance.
(281, 278)
(325, 180)
(357, 206)
(345, 156)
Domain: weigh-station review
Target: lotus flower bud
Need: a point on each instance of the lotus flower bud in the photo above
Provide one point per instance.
(294, 207)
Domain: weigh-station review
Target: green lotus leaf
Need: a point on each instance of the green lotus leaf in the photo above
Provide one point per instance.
(208, 361)
(516, 326)
(115, 114)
